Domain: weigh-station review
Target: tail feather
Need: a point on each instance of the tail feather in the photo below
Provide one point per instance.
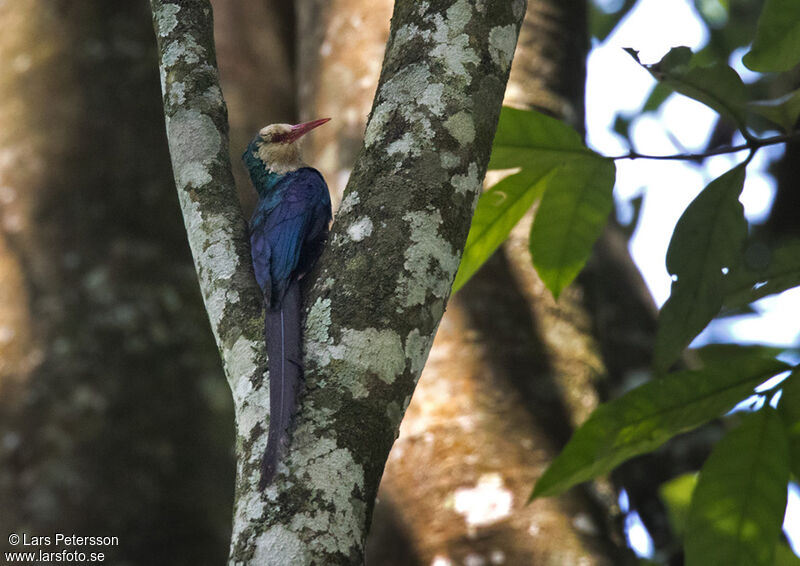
(282, 333)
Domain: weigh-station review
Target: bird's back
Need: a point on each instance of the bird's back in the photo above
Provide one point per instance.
(288, 230)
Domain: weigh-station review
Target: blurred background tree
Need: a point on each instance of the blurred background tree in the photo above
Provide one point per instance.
(114, 418)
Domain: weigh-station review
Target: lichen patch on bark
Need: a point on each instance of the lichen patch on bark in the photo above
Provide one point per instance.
(359, 353)
(375, 351)
(467, 183)
(318, 321)
(278, 546)
(502, 42)
(336, 478)
(449, 160)
(451, 43)
(193, 137)
(461, 127)
(430, 260)
(166, 18)
(240, 362)
(408, 94)
(177, 95)
(360, 229)
(349, 201)
(317, 333)
(417, 347)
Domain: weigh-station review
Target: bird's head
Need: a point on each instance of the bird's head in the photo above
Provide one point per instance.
(278, 145)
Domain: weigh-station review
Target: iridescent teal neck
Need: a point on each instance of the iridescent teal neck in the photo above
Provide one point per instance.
(264, 180)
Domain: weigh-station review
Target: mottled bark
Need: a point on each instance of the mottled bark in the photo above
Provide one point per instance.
(196, 123)
(113, 419)
(392, 256)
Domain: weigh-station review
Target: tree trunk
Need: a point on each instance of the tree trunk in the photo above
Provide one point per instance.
(444, 72)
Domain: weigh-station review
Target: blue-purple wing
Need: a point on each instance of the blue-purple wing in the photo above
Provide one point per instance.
(287, 234)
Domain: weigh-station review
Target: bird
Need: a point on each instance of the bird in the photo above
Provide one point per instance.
(288, 232)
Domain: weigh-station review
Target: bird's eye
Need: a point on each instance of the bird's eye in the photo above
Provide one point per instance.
(273, 137)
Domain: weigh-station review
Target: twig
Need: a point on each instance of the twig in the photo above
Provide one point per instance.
(753, 144)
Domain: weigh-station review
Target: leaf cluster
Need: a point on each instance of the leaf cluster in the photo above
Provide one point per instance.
(732, 513)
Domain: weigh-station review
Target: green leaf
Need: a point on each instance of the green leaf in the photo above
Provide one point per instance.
(622, 126)
(730, 312)
(717, 85)
(525, 138)
(784, 556)
(677, 496)
(645, 418)
(675, 61)
(707, 239)
(569, 220)
(728, 357)
(739, 502)
(577, 198)
(779, 271)
(783, 111)
(789, 409)
(656, 98)
(777, 44)
(498, 211)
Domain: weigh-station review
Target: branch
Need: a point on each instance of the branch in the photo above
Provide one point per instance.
(197, 132)
(752, 144)
(383, 282)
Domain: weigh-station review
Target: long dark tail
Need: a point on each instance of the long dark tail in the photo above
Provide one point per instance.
(282, 333)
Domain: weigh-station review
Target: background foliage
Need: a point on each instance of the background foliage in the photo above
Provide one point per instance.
(736, 511)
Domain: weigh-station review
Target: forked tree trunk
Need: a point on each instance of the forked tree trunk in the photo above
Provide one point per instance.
(370, 324)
